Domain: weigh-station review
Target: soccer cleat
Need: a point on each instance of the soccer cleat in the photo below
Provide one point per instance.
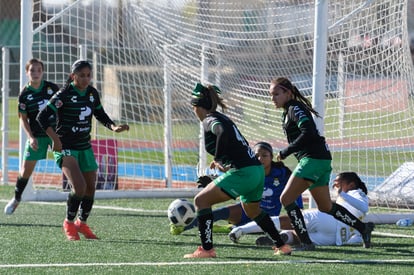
(11, 206)
(366, 236)
(283, 250)
(85, 230)
(264, 241)
(201, 253)
(70, 230)
(176, 229)
(222, 228)
(235, 234)
(305, 247)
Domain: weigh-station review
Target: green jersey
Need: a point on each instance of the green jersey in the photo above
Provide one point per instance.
(31, 101)
(74, 110)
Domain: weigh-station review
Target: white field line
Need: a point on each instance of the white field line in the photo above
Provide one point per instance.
(385, 234)
(211, 263)
(97, 207)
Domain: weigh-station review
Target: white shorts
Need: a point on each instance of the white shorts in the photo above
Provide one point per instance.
(322, 227)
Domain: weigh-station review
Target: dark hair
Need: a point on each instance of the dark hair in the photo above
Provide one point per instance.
(275, 164)
(76, 66)
(285, 84)
(263, 145)
(34, 61)
(207, 97)
(80, 64)
(353, 177)
(280, 165)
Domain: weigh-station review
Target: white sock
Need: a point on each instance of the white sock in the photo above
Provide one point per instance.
(252, 227)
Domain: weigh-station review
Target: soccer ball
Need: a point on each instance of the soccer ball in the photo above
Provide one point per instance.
(181, 212)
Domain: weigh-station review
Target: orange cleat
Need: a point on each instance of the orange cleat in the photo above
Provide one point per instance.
(84, 229)
(201, 253)
(70, 231)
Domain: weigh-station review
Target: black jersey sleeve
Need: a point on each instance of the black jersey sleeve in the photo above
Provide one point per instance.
(103, 117)
(99, 111)
(221, 141)
(307, 135)
(43, 116)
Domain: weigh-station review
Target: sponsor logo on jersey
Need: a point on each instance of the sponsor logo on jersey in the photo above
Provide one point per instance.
(76, 129)
(276, 182)
(74, 99)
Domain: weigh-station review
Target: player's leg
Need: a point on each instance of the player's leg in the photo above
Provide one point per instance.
(88, 166)
(231, 213)
(203, 201)
(30, 159)
(21, 183)
(295, 187)
(251, 228)
(322, 198)
(252, 191)
(264, 221)
(68, 162)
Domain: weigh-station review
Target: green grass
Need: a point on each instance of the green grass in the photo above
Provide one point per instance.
(135, 239)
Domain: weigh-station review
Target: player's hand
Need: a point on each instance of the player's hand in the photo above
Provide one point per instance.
(120, 128)
(219, 165)
(279, 157)
(33, 144)
(203, 181)
(57, 145)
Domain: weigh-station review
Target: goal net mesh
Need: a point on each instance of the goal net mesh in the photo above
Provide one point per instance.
(148, 55)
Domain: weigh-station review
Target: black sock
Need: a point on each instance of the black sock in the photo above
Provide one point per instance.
(268, 227)
(205, 228)
(342, 214)
(298, 223)
(20, 186)
(72, 206)
(85, 208)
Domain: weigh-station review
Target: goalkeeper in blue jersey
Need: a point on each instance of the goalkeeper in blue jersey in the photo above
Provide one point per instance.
(243, 173)
(74, 105)
(32, 99)
(276, 177)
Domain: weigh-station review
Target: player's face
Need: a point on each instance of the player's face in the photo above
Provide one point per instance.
(82, 78)
(279, 95)
(200, 112)
(343, 184)
(264, 157)
(35, 73)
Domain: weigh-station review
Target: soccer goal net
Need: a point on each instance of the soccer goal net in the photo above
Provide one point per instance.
(148, 55)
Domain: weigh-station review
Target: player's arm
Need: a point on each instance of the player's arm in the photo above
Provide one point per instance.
(222, 141)
(43, 120)
(26, 127)
(307, 135)
(358, 199)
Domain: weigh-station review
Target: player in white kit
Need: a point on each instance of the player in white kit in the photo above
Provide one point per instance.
(323, 228)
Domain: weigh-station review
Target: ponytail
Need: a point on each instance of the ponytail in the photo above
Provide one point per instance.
(285, 84)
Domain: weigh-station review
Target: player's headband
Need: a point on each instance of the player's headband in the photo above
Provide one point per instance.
(201, 98)
(263, 145)
(80, 64)
(285, 85)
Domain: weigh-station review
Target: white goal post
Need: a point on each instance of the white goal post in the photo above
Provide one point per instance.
(352, 57)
